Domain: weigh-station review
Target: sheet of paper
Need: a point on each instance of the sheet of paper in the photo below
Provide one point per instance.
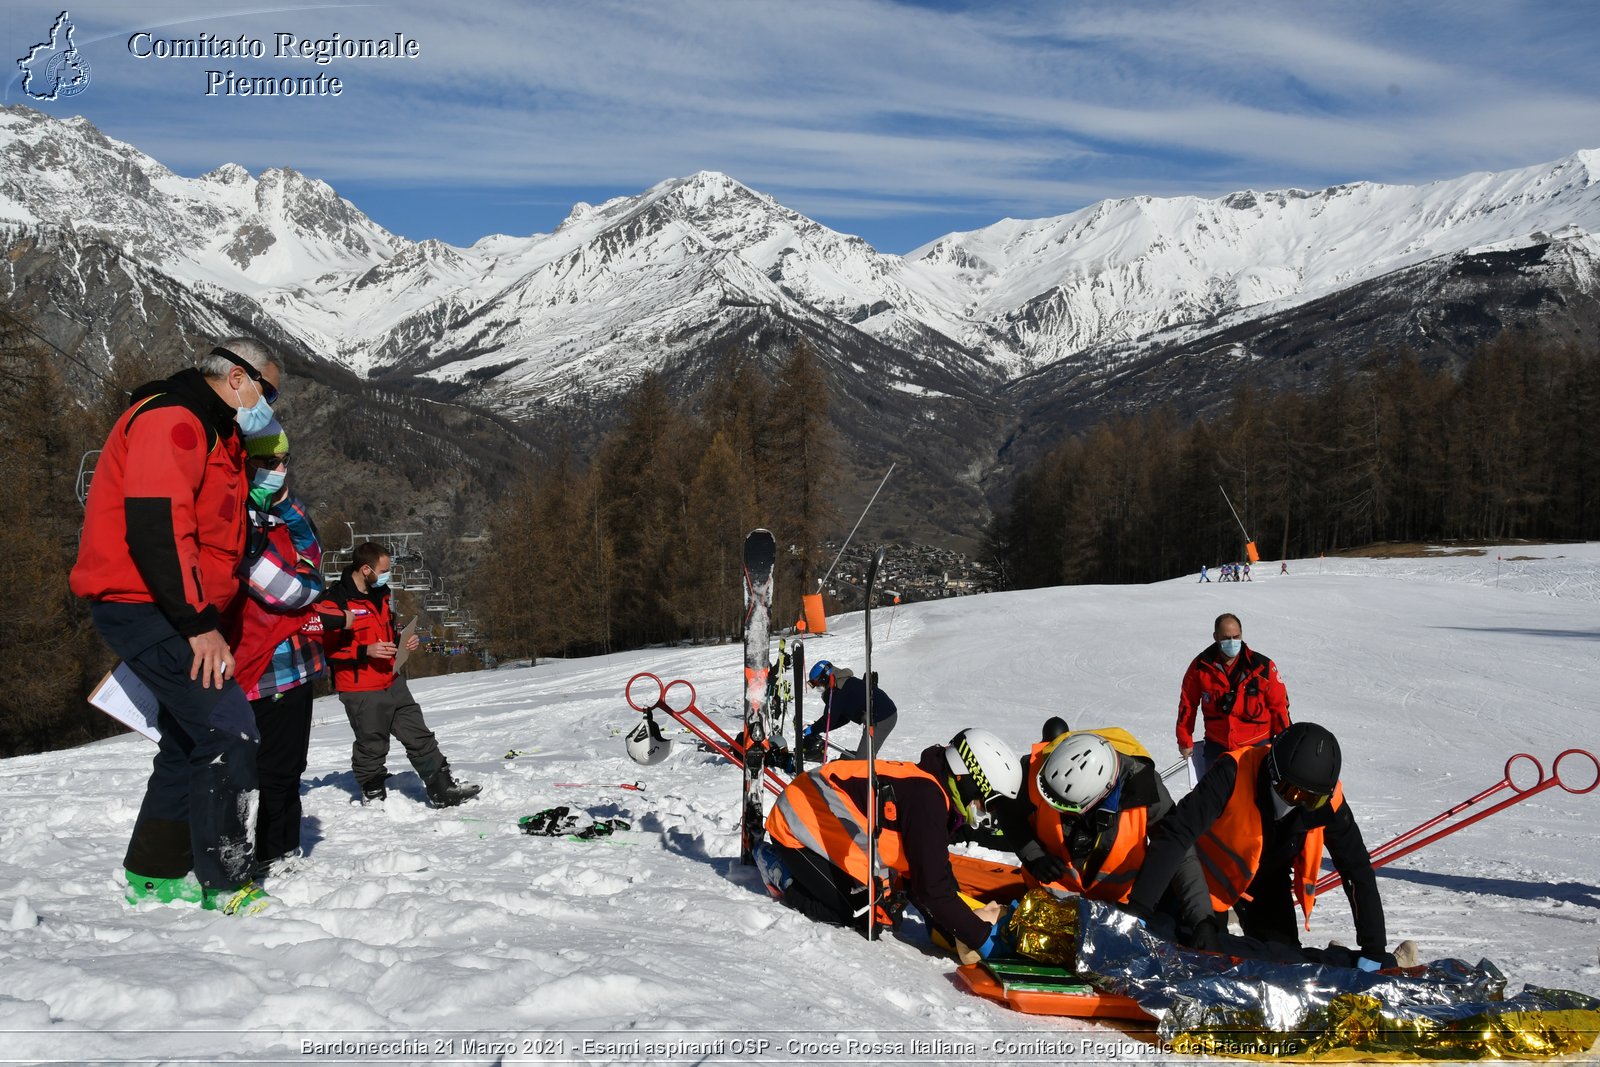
(401, 656)
(1194, 772)
(125, 698)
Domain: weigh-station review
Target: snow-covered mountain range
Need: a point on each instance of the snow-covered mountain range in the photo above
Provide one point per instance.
(636, 281)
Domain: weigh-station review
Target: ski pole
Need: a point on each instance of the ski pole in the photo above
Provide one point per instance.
(873, 822)
(1392, 849)
(1174, 769)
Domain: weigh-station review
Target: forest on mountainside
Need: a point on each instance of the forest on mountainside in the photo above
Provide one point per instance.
(643, 544)
(1387, 451)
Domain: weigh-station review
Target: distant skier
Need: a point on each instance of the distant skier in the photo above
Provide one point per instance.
(1204, 577)
(1283, 567)
(1236, 692)
(844, 700)
(1260, 820)
(815, 861)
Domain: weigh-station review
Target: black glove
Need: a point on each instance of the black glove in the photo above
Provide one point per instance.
(1041, 864)
(1207, 935)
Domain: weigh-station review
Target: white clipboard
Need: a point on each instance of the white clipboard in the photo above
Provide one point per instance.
(125, 698)
(402, 653)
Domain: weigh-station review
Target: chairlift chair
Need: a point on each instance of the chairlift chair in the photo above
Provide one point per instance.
(86, 464)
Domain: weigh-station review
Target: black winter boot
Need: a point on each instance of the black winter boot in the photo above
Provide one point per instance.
(445, 792)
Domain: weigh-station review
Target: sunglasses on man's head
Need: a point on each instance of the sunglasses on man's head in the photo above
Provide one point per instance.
(268, 390)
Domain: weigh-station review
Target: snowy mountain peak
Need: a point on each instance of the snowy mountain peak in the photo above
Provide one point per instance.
(227, 174)
(617, 284)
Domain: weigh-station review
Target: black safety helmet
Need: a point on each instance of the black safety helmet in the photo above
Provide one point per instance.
(1305, 756)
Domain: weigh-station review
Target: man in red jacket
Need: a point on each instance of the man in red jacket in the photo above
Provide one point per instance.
(163, 536)
(359, 636)
(1237, 693)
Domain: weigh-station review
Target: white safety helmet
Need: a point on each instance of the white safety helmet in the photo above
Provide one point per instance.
(1079, 773)
(984, 768)
(645, 743)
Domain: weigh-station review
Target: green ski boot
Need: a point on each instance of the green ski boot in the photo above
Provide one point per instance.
(248, 899)
(146, 890)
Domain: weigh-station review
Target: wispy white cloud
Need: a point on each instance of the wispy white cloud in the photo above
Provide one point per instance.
(856, 106)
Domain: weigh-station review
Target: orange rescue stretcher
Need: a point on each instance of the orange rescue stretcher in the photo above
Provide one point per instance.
(1022, 985)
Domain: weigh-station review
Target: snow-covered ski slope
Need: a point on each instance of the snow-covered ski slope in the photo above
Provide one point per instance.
(439, 927)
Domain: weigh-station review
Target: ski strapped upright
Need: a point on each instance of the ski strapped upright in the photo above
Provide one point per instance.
(872, 758)
(760, 555)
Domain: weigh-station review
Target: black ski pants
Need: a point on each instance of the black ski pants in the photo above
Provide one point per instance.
(195, 810)
(1269, 914)
(284, 720)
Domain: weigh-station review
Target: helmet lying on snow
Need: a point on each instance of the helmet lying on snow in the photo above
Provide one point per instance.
(645, 743)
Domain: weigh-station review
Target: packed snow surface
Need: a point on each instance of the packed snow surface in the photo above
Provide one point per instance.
(449, 935)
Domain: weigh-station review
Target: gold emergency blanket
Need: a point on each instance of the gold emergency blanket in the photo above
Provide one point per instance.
(1210, 1003)
(1045, 929)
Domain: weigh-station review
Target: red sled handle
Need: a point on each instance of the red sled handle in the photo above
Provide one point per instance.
(1397, 847)
(723, 743)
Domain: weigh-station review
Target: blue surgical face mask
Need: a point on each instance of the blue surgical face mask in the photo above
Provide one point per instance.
(253, 419)
(1230, 646)
(267, 479)
(381, 580)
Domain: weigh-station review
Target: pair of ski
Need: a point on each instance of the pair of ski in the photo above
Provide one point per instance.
(760, 556)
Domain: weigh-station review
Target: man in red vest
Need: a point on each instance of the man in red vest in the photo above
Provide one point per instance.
(1236, 692)
(358, 633)
(163, 537)
(1260, 820)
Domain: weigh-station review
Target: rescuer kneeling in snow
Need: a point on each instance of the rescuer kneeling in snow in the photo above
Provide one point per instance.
(1259, 820)
(816, 860)
(1083, 820)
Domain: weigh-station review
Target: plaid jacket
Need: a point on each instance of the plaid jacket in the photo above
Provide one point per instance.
(283, 579)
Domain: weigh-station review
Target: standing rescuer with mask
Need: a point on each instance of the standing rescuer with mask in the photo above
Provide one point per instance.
(163, 537)
(1236, 692)
(359, 635)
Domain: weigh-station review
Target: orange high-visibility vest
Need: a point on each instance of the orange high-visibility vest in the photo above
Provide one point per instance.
(1114, 879)
(1230, 851)
(815, 813)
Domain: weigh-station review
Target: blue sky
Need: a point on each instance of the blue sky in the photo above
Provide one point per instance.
(899, 122)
